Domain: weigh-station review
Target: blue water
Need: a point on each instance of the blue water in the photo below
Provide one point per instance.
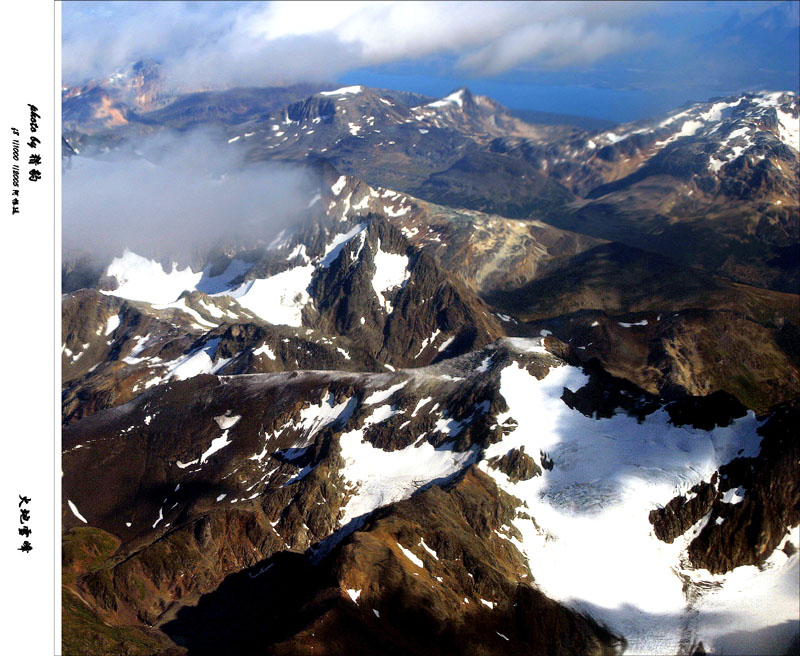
(618, 105)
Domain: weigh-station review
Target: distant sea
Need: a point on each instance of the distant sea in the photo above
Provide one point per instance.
(610, 105)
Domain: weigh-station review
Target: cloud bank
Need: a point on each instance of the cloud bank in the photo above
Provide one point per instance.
(176, 197)
(209, 44)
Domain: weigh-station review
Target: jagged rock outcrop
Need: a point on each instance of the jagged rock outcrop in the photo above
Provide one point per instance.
(748, 505)
(517, 465)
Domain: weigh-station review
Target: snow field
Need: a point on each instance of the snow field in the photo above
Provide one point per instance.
(391, 271)
(594, 547)
(381, 477)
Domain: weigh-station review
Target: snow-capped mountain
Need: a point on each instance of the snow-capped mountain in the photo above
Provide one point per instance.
(474, 397)
(694, 144)
(567, 453)
(713, 185)
(688, 185)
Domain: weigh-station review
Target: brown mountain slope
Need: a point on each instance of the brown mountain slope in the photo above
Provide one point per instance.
(616, 278)
(430, 575)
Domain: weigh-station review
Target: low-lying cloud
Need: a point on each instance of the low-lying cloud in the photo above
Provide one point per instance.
(177, 196)
(211, 43)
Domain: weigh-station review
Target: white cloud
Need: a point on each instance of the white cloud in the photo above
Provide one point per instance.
(183, 194)
(544, 44)
(250, 43)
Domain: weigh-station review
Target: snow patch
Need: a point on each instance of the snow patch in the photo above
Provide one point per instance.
(316, 417)
(455, 98)
(428, 340)
(421, 403)
(377, 477)
(411, 556)
(789, 129)
(279, 299)
(216, 444)
(141, 279)
(337, 186)
(195, 363)
(382, 395)
(264, 349)
(343, 91)
(428, 549)
(446, 343)
(527, 344)
(734, 496)
(333, 249)
(225, 421)
(395, 213)
(391, 271)
(75, 512)
(362, 204)
(112, 324)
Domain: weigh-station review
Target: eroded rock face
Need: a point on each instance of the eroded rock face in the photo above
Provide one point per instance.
(748, 348)
(753, 528)
(605, 395)
(707, 412)
(398, 330)
(517, 465)
(681, 513)
(748, 505)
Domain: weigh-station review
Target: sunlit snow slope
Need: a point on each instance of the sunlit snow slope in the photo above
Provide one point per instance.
(592, 546)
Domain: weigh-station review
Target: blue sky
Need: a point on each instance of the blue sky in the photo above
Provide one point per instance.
(615, 60)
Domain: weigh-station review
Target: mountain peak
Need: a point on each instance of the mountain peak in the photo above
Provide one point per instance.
(343, 91)
(458, 98)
